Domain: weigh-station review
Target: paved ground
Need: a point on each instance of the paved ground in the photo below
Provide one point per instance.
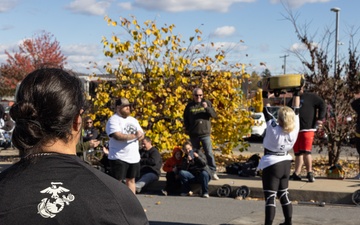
(322, 190)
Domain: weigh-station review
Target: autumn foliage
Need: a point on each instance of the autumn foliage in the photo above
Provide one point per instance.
(43, 51)
(157, 70)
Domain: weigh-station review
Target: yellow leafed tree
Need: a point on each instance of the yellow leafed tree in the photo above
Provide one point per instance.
(157, 73)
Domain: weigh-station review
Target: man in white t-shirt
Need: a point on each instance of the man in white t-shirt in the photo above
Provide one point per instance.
(124, 132)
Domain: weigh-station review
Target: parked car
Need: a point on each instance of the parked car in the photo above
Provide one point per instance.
(259, 127)
(258, 130)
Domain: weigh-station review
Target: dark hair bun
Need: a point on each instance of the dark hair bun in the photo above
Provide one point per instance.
(23, 110)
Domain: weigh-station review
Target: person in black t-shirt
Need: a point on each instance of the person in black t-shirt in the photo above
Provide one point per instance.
(312, 112)
(50, 184)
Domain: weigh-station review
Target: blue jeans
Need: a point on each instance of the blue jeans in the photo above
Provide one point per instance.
(146, 179)
(187, 178)
(207, 146)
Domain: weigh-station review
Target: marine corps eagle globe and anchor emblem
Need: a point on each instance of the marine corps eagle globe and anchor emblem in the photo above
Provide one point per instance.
(49, 207)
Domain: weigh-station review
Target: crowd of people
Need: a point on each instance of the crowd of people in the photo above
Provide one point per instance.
(139, 168)
(47, 128)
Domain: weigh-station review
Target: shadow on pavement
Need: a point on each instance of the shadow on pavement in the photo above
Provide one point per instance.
(170, 223)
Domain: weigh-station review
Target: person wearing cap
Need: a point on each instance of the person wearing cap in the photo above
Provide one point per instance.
(124, 132)
(197, 123)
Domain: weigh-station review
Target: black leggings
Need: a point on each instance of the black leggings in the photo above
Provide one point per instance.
(275, 180)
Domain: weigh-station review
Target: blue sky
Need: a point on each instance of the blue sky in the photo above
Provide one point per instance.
(79, 25)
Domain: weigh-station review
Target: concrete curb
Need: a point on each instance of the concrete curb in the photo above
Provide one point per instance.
(306, 192)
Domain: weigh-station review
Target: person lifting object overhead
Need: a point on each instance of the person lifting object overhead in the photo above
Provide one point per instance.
(279, 139)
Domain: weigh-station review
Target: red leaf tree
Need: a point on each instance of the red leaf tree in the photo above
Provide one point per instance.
(42, 51)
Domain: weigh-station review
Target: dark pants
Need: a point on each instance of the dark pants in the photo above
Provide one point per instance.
(205, 142)
(188, 178)
(173, 184)
(275, 180)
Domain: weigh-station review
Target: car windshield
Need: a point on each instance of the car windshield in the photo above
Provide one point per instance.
(256, 116)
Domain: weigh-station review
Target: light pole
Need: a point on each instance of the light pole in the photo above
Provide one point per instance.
(336, 10)
(284, 66)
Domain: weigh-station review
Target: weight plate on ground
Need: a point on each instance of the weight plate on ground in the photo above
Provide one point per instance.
(242, 191)
(224, 191)
(356, 197)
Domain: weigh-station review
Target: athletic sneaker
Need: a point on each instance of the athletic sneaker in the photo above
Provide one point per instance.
(215, 176)
(357, 177)
(284, 223)
(206, 195)
(310, 177)
(164, 192)
(187, 194)
(138, 190)
(294, 176)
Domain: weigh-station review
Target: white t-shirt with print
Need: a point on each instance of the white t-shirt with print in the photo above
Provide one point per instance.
(276, 140)
(127, 151)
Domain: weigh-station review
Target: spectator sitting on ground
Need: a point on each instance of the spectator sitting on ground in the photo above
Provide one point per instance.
(150, 165)
(172, 167)
(194, 170)
(82, 147)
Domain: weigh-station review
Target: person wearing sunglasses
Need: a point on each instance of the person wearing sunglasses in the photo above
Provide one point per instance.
(197, 123)
(90, 132)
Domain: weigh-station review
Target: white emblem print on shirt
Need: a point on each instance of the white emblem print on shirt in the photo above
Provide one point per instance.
(49, 207)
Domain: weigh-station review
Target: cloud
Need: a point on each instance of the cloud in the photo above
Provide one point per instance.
(6, 27)
(125, 5)
(89, 7)
(224, 31)
(188, 5)
(264, 47)
(81, 58)
(7, 5)
(298, 3)
(9, 48)
(79, 49)
(296, 47)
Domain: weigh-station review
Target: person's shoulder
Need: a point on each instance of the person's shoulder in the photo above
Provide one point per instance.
(114, 117)
(190, 103)
(310, 95)
(156, 150)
